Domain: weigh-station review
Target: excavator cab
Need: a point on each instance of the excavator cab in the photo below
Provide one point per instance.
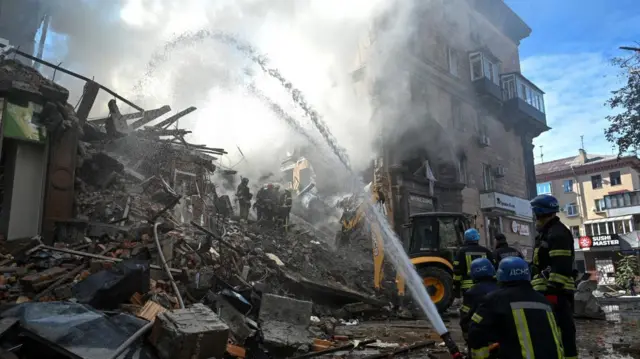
(433, 241)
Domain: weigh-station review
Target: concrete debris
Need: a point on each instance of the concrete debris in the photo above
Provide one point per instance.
(211, 285)
(585, 303)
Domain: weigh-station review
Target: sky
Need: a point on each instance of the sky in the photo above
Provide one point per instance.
(568, 56)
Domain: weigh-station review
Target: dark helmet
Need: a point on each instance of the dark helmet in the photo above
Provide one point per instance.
(472, 235)
(512, 269)
(545, 204)
(500, 238)
(245, 180)
(482, 268)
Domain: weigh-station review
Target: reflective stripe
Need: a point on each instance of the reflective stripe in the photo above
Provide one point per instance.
(469, 257)
(482, 353)
(570, 357)
(566, 282)
(535, 256)
(560, 253)
(539, 284)
(457, 277)
(467, 284)
(476, 318)
(556, 334)
(530, 305)
(465, 309)
(455, 263)
(523, 333)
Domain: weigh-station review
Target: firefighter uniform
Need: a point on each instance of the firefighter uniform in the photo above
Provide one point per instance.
(503, 250)
(471, 250)
(553, 276)
(483, 275)
(516, 317)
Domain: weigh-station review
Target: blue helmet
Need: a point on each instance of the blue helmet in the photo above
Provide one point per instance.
(545, 204)
(472, 235)
(482, 268)
(513, 269)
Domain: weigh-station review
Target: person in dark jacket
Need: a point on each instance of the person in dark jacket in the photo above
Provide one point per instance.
(503, 250)
(484, 282)
(243, 194)
(462, 262)
(515, 318)
(261, 203)
(285, 202)
(553, 260)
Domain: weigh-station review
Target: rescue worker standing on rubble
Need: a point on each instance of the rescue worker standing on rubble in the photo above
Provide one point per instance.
(503, 250)
(285, 202)
(553, 267)
(515, 318)
(483, 275)
(261, 203)
(243, 194)
(462, 262)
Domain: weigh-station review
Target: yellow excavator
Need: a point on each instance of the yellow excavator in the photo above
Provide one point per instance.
(431, 240)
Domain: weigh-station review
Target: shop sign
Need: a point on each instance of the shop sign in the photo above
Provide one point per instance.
(606, 240)
(518, 206)
(22, 122)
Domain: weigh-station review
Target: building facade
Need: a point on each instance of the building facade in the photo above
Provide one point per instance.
(600, 200)
(474, 115)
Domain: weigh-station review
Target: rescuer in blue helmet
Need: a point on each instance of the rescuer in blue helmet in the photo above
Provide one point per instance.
(483, 276)
(514, 320)
(552, 267)
(470, 250)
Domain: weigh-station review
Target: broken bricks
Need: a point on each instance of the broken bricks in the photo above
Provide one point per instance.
(190, 333)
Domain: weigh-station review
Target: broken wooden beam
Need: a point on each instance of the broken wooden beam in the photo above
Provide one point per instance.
(169, 121)
(148, 116)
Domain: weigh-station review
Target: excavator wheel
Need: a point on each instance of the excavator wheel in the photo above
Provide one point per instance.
(439, 285)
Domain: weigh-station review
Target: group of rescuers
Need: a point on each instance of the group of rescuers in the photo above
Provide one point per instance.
(271, 205)
(514, 309)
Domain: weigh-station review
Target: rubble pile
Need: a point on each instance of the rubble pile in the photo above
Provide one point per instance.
(153, 252)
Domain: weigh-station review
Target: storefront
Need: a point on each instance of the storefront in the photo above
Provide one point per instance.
(601, 254)
(511, 216)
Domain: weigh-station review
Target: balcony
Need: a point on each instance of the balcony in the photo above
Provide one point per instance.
(622, 204)
(485, 75)
(523, 102)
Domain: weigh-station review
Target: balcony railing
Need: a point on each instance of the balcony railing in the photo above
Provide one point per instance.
(620, 204)
(515, 85)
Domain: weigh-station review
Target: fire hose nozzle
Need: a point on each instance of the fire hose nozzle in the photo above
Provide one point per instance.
(451, 346)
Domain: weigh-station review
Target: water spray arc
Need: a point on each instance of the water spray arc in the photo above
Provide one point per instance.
(188, 38)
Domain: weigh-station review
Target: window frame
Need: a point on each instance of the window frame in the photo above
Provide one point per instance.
(542, 184)
(452, 56)
(573, 205)
(611, 178)
(595, 183)
(600, 205)
(567, 186)
(487, 177)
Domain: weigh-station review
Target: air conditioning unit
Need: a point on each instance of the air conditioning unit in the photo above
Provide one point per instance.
(484, 141)
(501, 171)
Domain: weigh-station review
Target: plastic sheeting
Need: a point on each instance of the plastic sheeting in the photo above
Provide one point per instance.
(78, 331)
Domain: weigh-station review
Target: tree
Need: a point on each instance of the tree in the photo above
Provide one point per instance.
(627, 267)
(624, 127)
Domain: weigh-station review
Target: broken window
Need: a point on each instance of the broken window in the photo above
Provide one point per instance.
(475, 60)
(487, 176)
(462, 168)
(452, 57)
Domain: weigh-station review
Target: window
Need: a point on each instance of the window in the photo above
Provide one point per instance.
(614, 178)
(544, 188)
(516, 85)
(575, 230)
(456, 112)
(487, 176)
(620, 200)
(567, 185)
(483, 66)
(452, 58)
(572, 210)
(475, 60)
(600, 205)
(596, 181)
(462, 169)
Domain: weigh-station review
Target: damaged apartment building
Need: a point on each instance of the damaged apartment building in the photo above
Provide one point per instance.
(474, 116)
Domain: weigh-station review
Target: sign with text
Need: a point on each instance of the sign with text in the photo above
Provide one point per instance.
(519, 207)
(605, 240)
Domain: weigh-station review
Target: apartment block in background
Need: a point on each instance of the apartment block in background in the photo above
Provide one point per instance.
(600, 200)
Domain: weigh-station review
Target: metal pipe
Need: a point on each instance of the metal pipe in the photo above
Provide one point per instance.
(137, 335)
(165, 265)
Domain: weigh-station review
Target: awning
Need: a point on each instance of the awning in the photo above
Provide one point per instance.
(609, 219)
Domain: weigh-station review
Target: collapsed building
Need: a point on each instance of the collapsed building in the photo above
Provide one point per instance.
(461, 140)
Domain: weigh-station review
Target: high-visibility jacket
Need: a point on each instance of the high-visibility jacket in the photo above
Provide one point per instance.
(472, 299)
(462, 265)
(553, 259)
(503, 251)
(520, 320)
